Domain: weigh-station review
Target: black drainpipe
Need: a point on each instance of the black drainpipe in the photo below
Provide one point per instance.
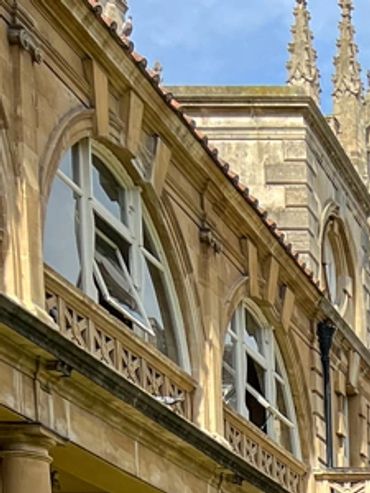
(325, 332)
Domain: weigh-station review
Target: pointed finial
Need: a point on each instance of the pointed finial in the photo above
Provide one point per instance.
(302, 66)
(347, 78)
(348, 95)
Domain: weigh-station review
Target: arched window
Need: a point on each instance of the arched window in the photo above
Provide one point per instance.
(336, 268)
(255, 382)
(99, 236)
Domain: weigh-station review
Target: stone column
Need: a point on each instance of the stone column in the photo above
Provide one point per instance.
(25, 458)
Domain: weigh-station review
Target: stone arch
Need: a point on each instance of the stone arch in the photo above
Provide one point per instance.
(7, 177)
(77, 125)
(236, 295)
(292, 361)
(180, 264)
(74, 126)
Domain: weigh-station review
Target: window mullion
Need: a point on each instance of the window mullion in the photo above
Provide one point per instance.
(152, 259)
(269, 380)
(135, 226)
(87, 220)
(241, 371)
(70, 183)
(120, 227)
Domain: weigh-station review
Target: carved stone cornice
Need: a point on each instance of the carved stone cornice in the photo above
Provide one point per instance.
(302, 66)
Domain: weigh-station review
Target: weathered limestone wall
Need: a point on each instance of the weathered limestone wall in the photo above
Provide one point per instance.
(219, 249)
(280, 157)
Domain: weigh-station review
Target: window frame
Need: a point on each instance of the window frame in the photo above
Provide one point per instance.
(87, 207)
(267, 361)
(334, 240)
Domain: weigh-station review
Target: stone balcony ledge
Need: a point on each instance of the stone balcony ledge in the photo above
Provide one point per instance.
(91, 328)
(262, 453)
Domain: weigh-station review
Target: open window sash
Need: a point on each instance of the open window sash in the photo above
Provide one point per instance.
(114, 276)
(269, 408)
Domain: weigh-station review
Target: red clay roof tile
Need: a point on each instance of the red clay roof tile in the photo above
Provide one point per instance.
(203, 139)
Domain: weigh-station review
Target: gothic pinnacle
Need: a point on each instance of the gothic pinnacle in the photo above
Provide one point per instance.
(347, 77)
(302, 67)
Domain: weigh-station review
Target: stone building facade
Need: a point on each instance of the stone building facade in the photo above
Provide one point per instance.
(158, 332)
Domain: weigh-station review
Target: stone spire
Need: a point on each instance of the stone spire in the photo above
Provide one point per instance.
(302, 67)
(347, 78)
(348, 91)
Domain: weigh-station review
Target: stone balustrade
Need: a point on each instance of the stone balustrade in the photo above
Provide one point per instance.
(263, 454)
(343, 480)
(94, 330)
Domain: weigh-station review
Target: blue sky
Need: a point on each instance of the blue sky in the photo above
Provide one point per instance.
(238, 42)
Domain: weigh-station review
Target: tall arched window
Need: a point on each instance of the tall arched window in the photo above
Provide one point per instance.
(99, 236)
(337, 269)
(255, 382)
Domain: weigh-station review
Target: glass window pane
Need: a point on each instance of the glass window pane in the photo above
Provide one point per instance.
(68, 164)
(148, 242)
(230, 350)
(253, 334)
(157, 309)
(255, 375)
(115, 238)
(108, 191)
(228, 388)
(277, 368)
(61, 235)
(330, 269)
(282, 434)
(109, 261)
(281, 398)
(257, 413)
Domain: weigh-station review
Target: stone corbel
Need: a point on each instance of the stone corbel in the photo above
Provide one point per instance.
(101, 99)
(288, 308)
(272, 281)
(161, 163)
(250, 253)
(207, 236)
(132, 114)
(19, 35)
(354, 364)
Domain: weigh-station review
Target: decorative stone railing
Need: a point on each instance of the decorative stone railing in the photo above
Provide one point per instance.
(94, 330)
(343, 480)
(261, 453)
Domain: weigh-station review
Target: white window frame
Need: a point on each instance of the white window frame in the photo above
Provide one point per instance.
(336, 271)
(132, 233)
(267, 362)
